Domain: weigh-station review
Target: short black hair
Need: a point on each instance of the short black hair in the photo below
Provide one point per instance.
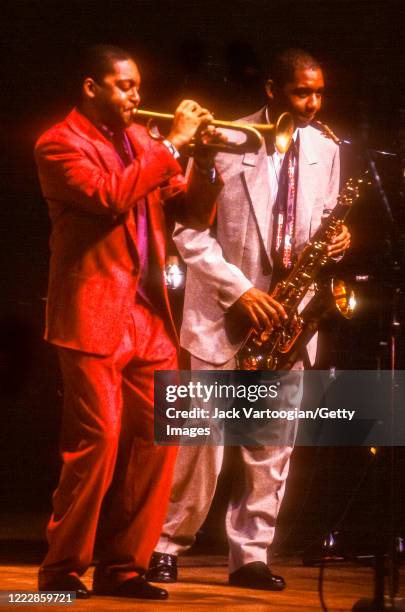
(97, 61)
(287, 62)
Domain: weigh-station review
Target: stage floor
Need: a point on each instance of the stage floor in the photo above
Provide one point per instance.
(203, 586)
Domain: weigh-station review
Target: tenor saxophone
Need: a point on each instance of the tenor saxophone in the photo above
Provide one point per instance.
(279, 347)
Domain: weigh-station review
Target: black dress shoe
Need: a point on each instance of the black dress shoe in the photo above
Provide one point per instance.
(136, 587)
(66, 582)
(256, 575)
(162, 568)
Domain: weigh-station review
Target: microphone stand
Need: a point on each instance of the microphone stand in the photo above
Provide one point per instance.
(380, 602)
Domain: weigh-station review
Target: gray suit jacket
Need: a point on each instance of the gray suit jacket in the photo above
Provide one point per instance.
(225, 261)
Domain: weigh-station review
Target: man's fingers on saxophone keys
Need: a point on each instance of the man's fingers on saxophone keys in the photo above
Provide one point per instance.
(263, 321)
(272, 318)
(259, 317)
(340, 242)
(277, 307)
(254, 319)
(263, 310)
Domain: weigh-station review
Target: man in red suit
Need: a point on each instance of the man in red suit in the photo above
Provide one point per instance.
(105, 181)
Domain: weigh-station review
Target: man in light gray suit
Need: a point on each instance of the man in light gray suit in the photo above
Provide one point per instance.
(230, 271)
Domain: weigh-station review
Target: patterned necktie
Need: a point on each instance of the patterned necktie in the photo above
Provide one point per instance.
(285, 207)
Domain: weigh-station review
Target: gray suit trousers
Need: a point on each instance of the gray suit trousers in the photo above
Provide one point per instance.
(257, 492)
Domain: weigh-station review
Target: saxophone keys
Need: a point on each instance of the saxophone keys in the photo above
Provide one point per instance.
(251, 363)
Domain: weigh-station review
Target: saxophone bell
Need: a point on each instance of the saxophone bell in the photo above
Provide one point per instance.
(344, 298)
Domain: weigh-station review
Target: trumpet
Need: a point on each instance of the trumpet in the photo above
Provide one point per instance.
(280, 132)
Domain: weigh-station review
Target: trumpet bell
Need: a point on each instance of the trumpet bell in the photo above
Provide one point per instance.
(281, 132)
(284, 132)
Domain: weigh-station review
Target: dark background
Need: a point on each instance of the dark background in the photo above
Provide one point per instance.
(217, 52)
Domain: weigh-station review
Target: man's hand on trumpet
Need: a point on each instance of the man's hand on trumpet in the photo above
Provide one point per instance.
(189, 117)
(204, 152)
(192, 121)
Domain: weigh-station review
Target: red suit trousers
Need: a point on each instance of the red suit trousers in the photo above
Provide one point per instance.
(114, 479)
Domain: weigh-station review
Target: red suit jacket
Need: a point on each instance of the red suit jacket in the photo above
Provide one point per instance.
(90, 194)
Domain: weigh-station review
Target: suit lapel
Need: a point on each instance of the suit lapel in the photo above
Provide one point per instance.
(156, 217)
(256, 182)
(255, 177)
(84, 128)
(138, 143)
(307, 187)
